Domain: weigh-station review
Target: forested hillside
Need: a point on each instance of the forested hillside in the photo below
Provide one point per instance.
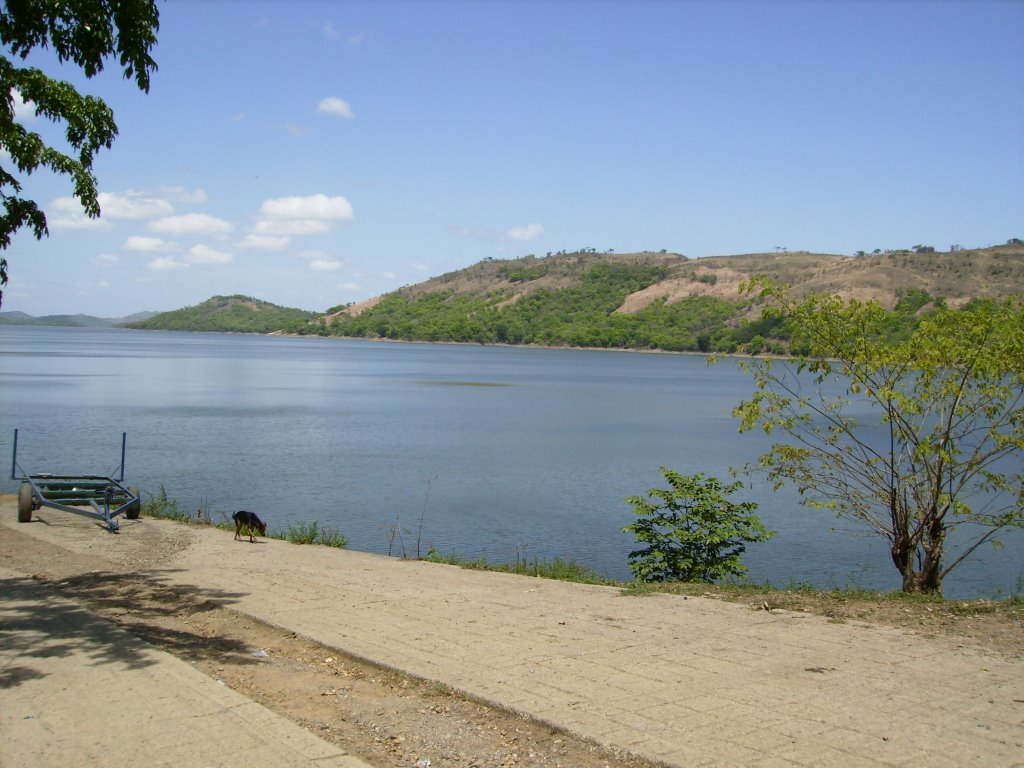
(584, 315)
(665, 301)
(233, 314)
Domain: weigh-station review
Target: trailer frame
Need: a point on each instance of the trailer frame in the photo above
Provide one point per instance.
(100, 497)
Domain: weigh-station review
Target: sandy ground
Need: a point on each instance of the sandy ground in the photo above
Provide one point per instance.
(385, 717)
(413, 662)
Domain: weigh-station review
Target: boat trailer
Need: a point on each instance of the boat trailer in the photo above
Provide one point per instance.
(100, 497)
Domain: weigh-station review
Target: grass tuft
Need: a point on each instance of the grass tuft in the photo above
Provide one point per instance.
(165, 508)
(311, 533)
(558, 569)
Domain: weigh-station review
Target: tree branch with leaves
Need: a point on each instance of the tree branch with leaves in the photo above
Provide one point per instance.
(942, 444)
(86, 33)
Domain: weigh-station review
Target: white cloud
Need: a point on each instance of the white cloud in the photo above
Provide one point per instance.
(317, 206)
(24, 111)
(264, 242)
(421, 267)
(529, 232)
(168, 264)
(203, 254)
(319, 261)
(106, 260)
(349, 286)
(309, 215)
(76, 221)
(182, 195)
(197, 255)
(132, 205)
(324, 265)
(66, 205)
(191, 224)
(148, 244)
(388, 275)
(67, 213)
(295, 129)
(332, 105)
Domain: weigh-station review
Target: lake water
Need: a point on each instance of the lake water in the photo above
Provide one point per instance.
(499, 451)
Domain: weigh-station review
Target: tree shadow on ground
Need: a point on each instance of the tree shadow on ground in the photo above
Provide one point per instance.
(57, 619)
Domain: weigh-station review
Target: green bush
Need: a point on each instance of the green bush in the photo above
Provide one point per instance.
(692, 532)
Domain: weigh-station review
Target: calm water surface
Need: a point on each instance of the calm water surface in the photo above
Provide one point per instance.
(498, 450)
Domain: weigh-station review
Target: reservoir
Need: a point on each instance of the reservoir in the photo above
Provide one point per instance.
(496, 452)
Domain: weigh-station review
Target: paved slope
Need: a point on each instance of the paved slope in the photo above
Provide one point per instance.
(689, 682)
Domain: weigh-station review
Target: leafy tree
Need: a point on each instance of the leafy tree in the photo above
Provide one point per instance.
(911, 300)
(941, 446)
(692, 531)
(87, 33)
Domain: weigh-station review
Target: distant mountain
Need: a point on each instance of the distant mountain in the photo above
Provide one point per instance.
(74, 321)
(15, 317)
(664, 300)
(644, 300)
(138, 317)
(232, 314)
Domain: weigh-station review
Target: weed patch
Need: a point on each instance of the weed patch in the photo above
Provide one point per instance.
(311, 533)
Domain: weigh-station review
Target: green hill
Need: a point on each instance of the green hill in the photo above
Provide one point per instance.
(663, 300)
(70, 321)
(232, 314)
(66, 321)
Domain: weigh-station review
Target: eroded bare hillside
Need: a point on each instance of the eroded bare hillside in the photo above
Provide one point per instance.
(957, 276)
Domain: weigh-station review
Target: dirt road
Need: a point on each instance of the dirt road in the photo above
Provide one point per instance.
(400, 663)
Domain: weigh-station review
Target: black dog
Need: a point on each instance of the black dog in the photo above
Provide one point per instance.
(248, 521)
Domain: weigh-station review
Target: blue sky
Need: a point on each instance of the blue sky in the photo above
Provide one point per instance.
(317, 153)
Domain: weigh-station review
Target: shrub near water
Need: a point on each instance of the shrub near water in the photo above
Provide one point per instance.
(692, 531)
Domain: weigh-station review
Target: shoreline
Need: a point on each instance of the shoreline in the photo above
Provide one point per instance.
(381, 340)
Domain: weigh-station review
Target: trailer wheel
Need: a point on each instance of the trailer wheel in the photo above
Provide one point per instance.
(133, 512)
(25, 503)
